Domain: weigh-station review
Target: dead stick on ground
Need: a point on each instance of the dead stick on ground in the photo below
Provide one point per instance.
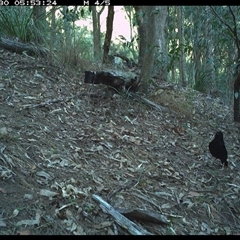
(43, 104)
(148, 102)
(120, 219)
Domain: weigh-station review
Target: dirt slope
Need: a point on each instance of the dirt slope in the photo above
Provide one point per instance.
(62, 141)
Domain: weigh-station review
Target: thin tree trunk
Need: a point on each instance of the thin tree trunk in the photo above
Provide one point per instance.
(209, 60)
(141, 20)
(96, 32)
(52, 30)
(40, 21)
(161, 55)
(181, 45)
(67, 28)
(108, 36)
(149, 31)
(197, 52)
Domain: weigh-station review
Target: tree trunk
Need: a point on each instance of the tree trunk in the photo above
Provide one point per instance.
(148, 31)
(152, 30)
(236, 99)
(161, 54)
(52, 31)
(236, 102)
(141, 33)
(209, 59)
(40, 21)
(96, 32)
(67, 27)
(197, 52)
(181, 45)
(108, 36)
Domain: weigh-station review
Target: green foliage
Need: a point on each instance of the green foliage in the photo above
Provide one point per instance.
(199, 67)
(77, 45)
(126, 48)
(209, 46)
(72, 14)
(80, 48)
(84, 42)
(16, 22)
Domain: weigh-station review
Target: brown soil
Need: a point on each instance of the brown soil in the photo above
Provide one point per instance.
(62, 141)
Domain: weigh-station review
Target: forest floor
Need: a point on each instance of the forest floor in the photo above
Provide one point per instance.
(61, 141)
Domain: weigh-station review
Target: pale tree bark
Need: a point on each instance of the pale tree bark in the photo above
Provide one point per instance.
(161, 56)
(191, 71)
(154, 51)
(172, 11)
(142, 34)
(148, 35)
(209, 60)
(108, 35)
(181, 44)
(197, 51)
(96, 32)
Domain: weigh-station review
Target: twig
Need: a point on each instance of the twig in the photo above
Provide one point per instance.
(43, 104)
(148, 102)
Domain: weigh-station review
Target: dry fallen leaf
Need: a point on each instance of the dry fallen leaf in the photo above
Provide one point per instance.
(2, 223)
(194, 194)
(30, 222)
(103, 225)
(48, 193)
(24, 232)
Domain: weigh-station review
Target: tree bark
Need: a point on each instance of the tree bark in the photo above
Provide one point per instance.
(52, 30)
(40, 21)
(181, 45)
(108, 36)
(96, 32)
(161, 54)
(197, 52)
(141, 21)
(149, 31)
(209, 60)
(236, 99)
(153, 34)
(67, 27)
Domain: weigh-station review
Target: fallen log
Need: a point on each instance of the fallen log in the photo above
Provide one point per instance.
(116, 79)
(19, 47)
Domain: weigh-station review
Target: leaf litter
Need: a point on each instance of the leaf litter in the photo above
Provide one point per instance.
(63, 141)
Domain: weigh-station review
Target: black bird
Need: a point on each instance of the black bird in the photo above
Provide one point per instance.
(217, 148)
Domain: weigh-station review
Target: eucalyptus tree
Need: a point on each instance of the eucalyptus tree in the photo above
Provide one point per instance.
(96, 13)
(152, 42)
(108, 35)
(180, 14)
(232, 24)
(40, 22)
(179, 45)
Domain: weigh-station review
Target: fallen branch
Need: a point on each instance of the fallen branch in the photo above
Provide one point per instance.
(43, 104)
(148, 102)
(120, 219)
(19, 47)
(144, 216)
